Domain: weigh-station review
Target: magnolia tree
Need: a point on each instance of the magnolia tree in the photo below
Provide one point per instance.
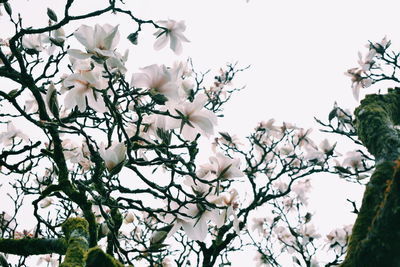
(109, 172)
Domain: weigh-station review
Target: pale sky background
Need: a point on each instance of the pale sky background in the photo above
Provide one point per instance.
(298, 51)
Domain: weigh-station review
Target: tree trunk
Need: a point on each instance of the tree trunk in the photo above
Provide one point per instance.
(375, 240)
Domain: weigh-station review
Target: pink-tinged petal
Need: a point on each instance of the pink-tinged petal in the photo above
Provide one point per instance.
(81, 103)
(210, 115)
(141, 80)
(356, 90)
(175, 228)
(235, 172)
(96, 103)
(105, 53)
(217, 218)
(235, 220)
(200, 101)
(158, 32)
(170, 90)
(175, 44)
(203, 123)
(171, 123)
(180, 26)
(181, 37)
(112, 38)
(113, 63)
(76, 53)
(69, 100)
(189, 133)
(99, 35)
(75, 98)
(195, 229)
(161, 41)
(85, 36)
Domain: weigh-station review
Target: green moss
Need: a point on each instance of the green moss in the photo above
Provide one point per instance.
(374, 196)
(75, 253)
(73, 224)
(33, 246)
(76, 232)
(375, 240)
(78, 252)
(375, 118)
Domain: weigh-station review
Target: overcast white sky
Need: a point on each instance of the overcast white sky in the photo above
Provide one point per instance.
(298, 51)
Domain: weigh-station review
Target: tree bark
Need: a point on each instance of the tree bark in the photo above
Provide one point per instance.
(375, 240)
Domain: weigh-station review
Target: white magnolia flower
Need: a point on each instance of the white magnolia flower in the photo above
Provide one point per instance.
(191, 219)
(113, 156)
(99, 41)
(5, 48)
(309, 232)
(194, 117)
(182, 72)
(302, 138)
(104, 228)
(33, 41)
(199, 188)
(159, 80)
(129, 218)
(83, 87)
(301, 188)
(222, 167)
(314, 154)
(46, 202)
(80, 65)
(325, 146)
(339, 236)
(227, 140)
(367, 62)
(149, 126)
(47, 259)
(358, 81)
(56, 38)
(283, 234)
(259, 225)
(168, 262)
(353, 159)
(269, 128)
(280, 186)
(77, 153)
(117, 63)
(173, 35)
(286, 149)
(229, 200)
(260, 260)
(10, 134)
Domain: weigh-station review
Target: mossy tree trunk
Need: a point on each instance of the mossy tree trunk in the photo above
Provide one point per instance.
(75, 247)
(375, 240)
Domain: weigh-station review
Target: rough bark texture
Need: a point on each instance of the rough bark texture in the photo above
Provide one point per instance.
(376, 234)
(32, 246)
(78, 254)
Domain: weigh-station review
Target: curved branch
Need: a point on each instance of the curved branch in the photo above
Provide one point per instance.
(32, 246)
